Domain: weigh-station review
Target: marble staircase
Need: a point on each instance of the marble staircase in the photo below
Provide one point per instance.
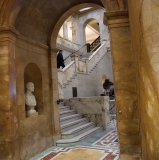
(66, 75)
(74, 127)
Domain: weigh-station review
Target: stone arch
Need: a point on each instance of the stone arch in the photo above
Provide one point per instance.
(84, 27)
(98, 15)
(34, 20)
(64, 17)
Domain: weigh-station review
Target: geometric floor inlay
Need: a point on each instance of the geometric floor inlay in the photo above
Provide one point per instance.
(82, 153)
(110, 140)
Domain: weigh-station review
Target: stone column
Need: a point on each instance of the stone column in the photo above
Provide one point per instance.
(9, 146)
(54, 95)
(74, 30)
(65, 30)
(125, 84)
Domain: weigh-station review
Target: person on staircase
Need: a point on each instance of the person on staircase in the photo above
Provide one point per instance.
(60, 60)
(109, 89)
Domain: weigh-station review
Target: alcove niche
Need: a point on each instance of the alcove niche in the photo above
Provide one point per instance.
(33, 74)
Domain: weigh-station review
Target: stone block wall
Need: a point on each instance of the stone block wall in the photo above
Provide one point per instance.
(144, 24)
(35, 133)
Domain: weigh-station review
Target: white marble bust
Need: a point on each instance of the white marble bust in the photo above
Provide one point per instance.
(30, 100)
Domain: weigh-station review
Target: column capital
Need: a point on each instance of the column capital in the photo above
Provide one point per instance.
(116, 19)
(8, 33)
(9, 29)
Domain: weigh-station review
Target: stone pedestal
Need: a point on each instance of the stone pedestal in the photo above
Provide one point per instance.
(125, 85)
(74, 57)
(9, 146)
(31, 112)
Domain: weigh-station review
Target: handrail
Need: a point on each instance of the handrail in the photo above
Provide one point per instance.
(95, 52)
(97, 40)
(65, 68)
(96, 47)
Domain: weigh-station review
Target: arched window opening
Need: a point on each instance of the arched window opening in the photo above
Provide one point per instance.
(92, 34)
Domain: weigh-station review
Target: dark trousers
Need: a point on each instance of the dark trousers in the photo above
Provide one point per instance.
(60, 65)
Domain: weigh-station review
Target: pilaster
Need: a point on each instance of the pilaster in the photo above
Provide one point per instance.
(65, 30)
(9, 145)
(125, 84)
(54, 95)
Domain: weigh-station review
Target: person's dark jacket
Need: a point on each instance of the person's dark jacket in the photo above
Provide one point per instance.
(60, 60)
(107, 84)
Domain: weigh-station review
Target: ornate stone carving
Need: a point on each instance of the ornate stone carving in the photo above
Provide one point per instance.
(30, 100)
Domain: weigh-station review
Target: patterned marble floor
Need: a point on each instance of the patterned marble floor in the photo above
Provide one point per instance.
(103, 146)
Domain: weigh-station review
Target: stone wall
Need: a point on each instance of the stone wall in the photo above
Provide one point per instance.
(95, 14)
(145, 37)
(125, 85)
(35, 133)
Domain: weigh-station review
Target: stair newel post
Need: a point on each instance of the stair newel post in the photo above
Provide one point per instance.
(86, 62)
(54, 95)
(74, 57)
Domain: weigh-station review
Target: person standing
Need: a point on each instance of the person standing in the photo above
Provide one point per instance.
(60, 60)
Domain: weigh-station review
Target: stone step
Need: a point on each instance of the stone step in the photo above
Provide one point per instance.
(67, 113)
(75, 140)
(70, 118)
(61, 104)
(78, 130)
(112, 115)
(64, 108)
(71, 125)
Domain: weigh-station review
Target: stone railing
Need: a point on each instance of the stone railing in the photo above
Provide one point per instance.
(97, 55)
(96, 109)
(66, 73)
(95, 43)
(65, 44)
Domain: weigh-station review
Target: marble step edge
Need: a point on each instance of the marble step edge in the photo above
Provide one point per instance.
(70, 117)
(112, 115)
(65, 107)
(72, 123)
(74, 130)
(69, 111)
(79, 137)
(78, 132)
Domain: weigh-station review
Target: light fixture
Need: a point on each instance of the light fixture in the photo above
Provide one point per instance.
(84, 9)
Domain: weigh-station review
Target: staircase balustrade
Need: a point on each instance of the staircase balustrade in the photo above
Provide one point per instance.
(95, 44)
(66, 73)
(96, 109)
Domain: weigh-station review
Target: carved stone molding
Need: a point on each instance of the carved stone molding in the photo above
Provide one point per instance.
(116, 19)
(115, 5)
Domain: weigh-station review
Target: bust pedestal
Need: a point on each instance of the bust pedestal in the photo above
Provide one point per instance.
(31, 111)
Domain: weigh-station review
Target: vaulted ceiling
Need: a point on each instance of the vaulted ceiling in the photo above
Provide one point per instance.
(36, 19)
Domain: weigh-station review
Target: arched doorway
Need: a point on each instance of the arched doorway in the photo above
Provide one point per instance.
(38, 27)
